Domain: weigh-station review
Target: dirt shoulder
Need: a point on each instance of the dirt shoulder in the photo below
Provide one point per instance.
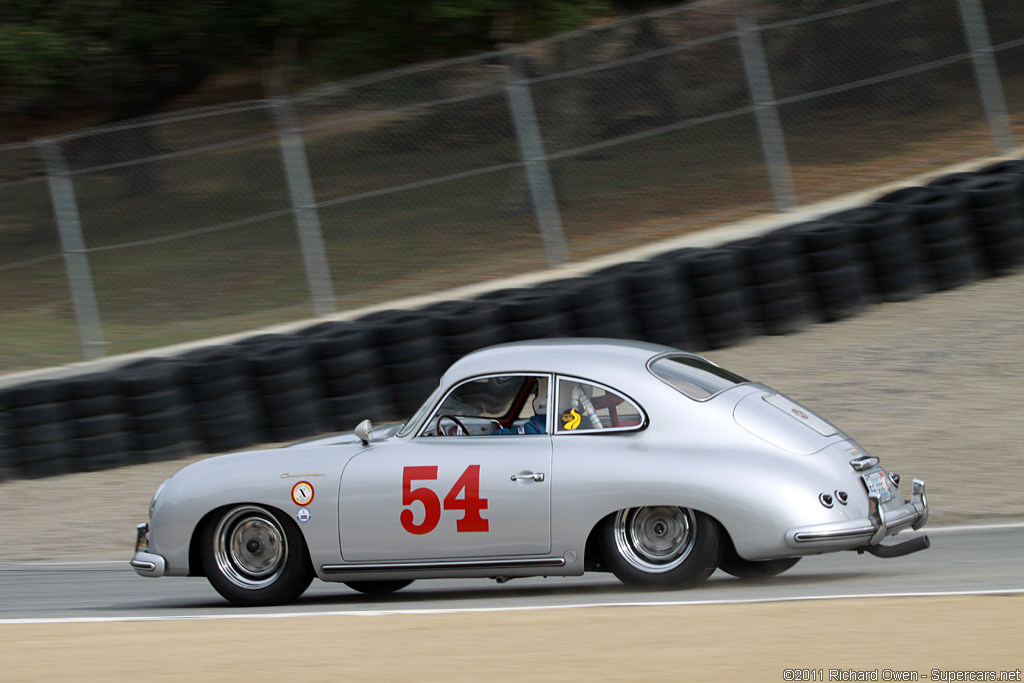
(757, 642)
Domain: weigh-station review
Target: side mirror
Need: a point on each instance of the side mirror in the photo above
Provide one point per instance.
(364, 430)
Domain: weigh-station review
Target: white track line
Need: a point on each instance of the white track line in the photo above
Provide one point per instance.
(472, 610)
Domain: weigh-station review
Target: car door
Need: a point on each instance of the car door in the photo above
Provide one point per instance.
(454, 497)
(432, 497)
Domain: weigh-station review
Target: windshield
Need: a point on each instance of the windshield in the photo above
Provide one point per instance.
(695, 377)
(419, 413)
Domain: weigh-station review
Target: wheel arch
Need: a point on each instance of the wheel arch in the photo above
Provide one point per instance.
(592, 555)
(195, 563)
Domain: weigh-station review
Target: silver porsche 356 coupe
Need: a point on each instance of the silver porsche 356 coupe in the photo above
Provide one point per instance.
(550, 457)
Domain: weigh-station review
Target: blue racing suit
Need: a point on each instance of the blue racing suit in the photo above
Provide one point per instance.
(535, 425)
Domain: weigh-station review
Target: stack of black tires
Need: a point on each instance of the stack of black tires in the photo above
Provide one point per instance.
(410, 356)
(530, 313)
(771, 275)
(8, 467)
(464, 326)
(717, 307)
(942, 231)
(657, 305)
(995, 221)
(158, 409)
(594, 306)
(831, 266)
(883, 234)
(39, 440)
(224, 408)
(282, 376)
(349, 374)
(99, 426)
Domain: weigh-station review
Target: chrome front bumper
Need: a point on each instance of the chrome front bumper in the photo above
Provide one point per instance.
(146, 563)
(867, 531)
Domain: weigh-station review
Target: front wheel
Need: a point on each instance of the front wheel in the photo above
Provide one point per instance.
(254, 558)
(660, 546)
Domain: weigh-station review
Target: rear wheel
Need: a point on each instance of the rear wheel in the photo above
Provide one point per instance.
(252, 557)
(660, 546)
(377, 587)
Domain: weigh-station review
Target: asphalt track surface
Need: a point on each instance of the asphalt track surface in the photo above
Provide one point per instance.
(974, 559)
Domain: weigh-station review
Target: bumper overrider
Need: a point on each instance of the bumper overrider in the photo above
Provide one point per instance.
(146, 563)
(866, 534)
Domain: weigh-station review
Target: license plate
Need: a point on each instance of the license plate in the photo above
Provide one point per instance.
(878, 484)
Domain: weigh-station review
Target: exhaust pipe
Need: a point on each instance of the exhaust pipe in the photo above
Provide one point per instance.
(898, 549)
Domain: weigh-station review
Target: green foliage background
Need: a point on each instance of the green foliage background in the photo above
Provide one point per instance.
(128, 57)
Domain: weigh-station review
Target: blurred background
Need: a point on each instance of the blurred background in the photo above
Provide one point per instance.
(171, 172)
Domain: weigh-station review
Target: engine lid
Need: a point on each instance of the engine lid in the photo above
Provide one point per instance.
(784, 423)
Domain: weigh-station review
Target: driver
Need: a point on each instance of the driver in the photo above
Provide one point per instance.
(538, 424)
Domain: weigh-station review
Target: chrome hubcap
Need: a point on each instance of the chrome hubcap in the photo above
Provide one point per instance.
(655, 539)
(250, 547)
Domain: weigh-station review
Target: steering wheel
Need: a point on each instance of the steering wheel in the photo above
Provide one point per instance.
(462, 428)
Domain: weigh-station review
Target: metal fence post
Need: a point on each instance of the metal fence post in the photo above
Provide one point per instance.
(531, 147)
(307, 219)
(986, 71)
(773, 143)
(76, 260)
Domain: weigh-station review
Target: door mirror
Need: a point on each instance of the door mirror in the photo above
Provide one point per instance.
(364, 430)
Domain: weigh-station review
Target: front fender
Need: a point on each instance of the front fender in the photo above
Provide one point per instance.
(258, 477)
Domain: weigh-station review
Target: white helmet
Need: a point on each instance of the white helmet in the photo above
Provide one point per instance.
(540, 401)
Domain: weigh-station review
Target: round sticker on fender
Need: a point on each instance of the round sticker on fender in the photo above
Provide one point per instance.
(302, 493)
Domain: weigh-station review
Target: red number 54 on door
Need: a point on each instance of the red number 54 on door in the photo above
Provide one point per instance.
(471, 503)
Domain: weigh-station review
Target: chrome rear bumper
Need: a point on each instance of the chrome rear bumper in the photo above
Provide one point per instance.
(866, 531)
(144, 562)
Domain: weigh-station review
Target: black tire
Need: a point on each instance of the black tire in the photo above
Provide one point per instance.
(272, 359)
(90, 385)
(147, 376)
(33, 393)
(99, 424)
(660, 547)
(225, 406)
(285, 381)
(338, 338)
(731, 563)
(176, 417)
(254, 556)
(211, 364)
(378, 587)
(216, 389)
(170, 437)
(97, 405)
(40, 413)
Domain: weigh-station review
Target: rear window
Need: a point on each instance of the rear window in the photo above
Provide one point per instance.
(695, 377)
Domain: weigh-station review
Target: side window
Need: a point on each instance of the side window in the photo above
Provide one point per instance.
(499, 405)
(586, 407)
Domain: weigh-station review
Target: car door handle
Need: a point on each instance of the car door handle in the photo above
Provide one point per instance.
(536, 476)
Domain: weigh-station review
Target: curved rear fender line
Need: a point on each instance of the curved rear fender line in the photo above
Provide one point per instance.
(755, 522)
(195, 564)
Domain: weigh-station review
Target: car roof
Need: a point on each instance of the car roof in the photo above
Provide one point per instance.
(603, 360)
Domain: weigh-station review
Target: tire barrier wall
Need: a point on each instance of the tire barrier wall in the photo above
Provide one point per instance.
(328, 376)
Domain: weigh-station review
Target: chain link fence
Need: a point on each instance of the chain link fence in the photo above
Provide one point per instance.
(212, 221)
